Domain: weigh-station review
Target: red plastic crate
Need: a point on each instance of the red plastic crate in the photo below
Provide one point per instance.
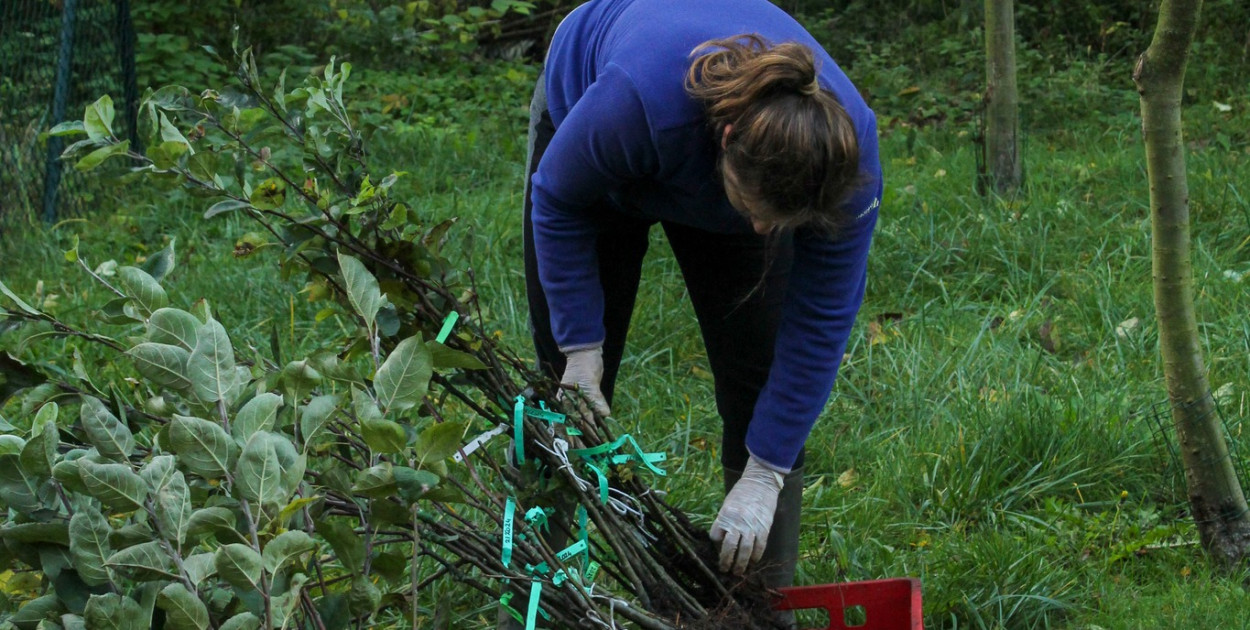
(892, 604)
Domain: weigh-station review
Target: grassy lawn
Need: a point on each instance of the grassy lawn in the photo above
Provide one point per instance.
(993, 430)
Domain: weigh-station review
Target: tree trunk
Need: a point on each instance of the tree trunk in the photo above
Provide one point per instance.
(1215, 496)
(1001, 171)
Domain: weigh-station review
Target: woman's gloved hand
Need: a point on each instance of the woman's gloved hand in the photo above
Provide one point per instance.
(583, 370)
(742, 525)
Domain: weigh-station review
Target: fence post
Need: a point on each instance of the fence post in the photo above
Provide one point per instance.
(125, 30)
(52, 177)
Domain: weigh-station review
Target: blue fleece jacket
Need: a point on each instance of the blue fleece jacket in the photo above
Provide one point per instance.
(626, 128)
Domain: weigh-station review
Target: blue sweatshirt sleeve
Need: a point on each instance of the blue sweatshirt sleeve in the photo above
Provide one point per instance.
(826, 290)
(602, 142)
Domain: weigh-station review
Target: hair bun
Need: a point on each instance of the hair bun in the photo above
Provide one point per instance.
(811, 89)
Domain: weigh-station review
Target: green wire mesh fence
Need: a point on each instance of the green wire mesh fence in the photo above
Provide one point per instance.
(1163, 433)
(57, 56)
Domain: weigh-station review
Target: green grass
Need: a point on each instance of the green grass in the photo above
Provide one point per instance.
(991, 431)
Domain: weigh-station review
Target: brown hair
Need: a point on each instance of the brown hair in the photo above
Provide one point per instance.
(792, 149)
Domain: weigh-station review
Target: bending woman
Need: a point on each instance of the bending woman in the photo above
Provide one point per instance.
(724, 122)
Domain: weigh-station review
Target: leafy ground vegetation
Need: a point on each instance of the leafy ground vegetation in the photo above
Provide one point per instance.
(994, 429)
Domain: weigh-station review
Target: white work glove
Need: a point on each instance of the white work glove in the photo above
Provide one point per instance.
(583, 371)
(746, 516)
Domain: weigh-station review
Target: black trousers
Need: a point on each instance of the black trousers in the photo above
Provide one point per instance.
(736, 282)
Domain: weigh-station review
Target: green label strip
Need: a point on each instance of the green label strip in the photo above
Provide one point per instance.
(570, 551)
(448, 324)
(603, 482)
(509, 518)
(647, 459)
(537, 518)
(531, 615)
(503, 601)
(518, 430)
(544, 414)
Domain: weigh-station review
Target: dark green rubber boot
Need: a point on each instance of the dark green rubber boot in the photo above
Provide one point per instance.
(781, 555)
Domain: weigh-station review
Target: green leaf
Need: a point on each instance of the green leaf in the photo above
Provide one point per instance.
(413, 484)
(23, 306)
(114, 612)
(173, 509)
(114, 485)
(146, 561)
(203, 166)
(71, 254)
(146, 593)
(98, 119)
(439, 441)
(158, 472)
(363, 405)
(391, 565)
(11, 444)
(119, 312)
(213, 520)
(388, 321)
(36, 610)
(279, 91)
(315, 415)
(346, 543)
(131, 534)
(376, 482)
(55, 533)
(68, 128)
(404, 377)
(259, 475)
(397, 219)
(48, 412)
(20, 490)
(299, 378)
(239, 565)
(284, 605)
(173, 326)
(445, 358)
(259, 414)
(294, 507)
(39, 452)
(225, 206)
(285, 548)
(383, 436)
(159, 265)
(170, 133)
(16, 376)
(52, 560)
(104, 431)
(364, 597)
(203, 447)
(78, 148)
(362, 289)
(270, 194)
(211, 365)
(200, 567)
(165, 155)
(89, 545)
(183, 610)
(97, 157)
(171, 98)
(141, 287)
(73, 622)
(242, 621)
(202, 310)
(66, 473)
